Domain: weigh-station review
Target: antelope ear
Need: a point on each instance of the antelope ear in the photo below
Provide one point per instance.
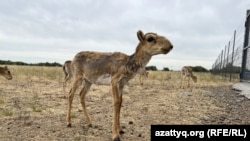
(140, 35)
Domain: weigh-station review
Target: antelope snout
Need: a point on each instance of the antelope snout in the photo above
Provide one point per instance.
(165, 50)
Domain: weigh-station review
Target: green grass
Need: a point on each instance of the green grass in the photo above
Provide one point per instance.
(1, 101)
(36, 107)
(5, 112)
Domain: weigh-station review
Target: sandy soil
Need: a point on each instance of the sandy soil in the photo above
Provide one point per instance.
(34, 109)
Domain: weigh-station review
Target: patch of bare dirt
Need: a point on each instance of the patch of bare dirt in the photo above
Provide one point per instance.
(37, 109)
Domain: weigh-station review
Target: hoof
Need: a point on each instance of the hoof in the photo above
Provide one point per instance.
(117, 139)
(69, 125)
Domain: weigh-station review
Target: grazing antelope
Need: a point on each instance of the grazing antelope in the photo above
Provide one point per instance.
(67, 69)
(114, 69)
(186, 71)
(5, 72)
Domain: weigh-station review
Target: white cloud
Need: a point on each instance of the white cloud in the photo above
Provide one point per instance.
(198, 29)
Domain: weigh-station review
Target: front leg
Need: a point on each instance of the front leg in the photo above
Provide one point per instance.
(117, 102)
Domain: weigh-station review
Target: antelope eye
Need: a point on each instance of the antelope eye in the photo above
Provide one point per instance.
(150, 39)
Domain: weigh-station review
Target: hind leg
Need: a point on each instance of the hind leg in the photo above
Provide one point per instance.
(83, 93)
(65, 84)
(74, 87)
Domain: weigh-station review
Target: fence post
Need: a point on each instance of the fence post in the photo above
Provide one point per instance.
(221, 64)
(232, 67)
(246, 40)
(224, 63)
(227, 59)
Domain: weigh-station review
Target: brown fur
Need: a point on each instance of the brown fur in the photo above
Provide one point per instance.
(114, 69)
(186, 71)
(143, 74)
(5, 72)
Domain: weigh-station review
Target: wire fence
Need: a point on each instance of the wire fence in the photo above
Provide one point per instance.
(234, 60)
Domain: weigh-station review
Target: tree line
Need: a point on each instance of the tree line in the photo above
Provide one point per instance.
(20, 63)
(55, 64)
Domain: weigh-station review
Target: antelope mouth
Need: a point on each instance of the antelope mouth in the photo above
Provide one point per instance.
(166, 50)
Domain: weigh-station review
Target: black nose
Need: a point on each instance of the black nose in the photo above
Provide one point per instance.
(171, 47)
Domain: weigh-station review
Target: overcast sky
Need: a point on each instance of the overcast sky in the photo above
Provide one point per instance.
(55, 30)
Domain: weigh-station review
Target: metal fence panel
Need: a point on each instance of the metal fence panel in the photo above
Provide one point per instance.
(234, 60)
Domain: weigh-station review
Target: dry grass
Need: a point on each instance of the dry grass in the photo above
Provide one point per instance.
(30, 78)
(1, 101)
(36, 72)
(34, 102)
(173, 78)
(27, 80)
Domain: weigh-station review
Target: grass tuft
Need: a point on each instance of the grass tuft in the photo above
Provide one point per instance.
(1, 101)
(5, 112)
(36, 108)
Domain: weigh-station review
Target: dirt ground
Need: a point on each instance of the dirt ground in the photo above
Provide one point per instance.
(34, 109)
